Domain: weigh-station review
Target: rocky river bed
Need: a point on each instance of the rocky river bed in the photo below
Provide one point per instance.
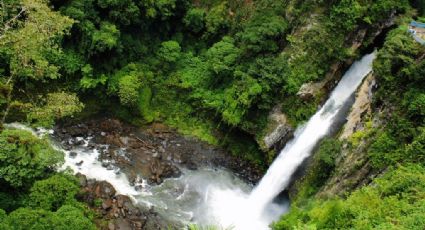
(150, 177)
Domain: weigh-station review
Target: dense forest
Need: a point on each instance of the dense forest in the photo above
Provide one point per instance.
(213, 70)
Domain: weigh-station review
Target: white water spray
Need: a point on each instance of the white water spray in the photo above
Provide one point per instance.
(258, 210)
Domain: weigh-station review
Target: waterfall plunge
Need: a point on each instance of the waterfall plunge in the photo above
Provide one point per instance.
(257, 210)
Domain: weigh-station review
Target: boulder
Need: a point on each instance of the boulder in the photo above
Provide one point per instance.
(279, 130)
(310, 90)
(82, 179)
(107, 204)
(104, 190)
(72, 154)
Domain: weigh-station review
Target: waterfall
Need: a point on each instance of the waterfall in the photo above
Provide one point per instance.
(279, 174)
(258, 209)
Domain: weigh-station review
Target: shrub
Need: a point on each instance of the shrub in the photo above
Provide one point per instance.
(53, 192)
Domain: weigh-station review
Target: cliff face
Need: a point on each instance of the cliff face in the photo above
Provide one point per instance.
(364, 176)
(352, 168)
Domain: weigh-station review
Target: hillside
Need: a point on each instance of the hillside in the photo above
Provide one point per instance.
(237, 75)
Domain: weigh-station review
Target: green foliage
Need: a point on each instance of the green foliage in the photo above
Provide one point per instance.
(25, 158)
(3, 217)
(216, 20)
(298, 110)
(105, 38)
(98, 202)
(352, 11)
(27, 162)
(381, 152)
(53, 192)
(322, 166)
(9, 202)
(169, 51)
(144, 104)
(128, 83)
(128, 89)
(262, 33)
(56, 106)
(327, 153)
(420, 5)
(125, 12)
(89, 81)
(67, 217)
(195, 19)
(400, 73)
(416, 107)
(222, 56)
(349, 11)
(34, 38)
(395, 201)
(415, 151)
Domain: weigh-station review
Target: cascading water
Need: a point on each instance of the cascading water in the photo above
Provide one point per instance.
(257, 210)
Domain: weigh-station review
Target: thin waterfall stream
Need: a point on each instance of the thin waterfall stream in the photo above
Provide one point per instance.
(215, 196)
(257, 210)
(279, 174)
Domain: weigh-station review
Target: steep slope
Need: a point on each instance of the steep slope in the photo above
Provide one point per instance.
(372, 176)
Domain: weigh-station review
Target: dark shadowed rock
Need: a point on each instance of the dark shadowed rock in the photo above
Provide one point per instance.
(72, 154)
(279, 131)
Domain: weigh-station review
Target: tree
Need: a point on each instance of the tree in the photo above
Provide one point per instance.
(129, 87)
(106, 38)
(25, 158)
(123, 11)
(169, 51)
(67, 217)
(56, 106)
(261, 34)
(195, 19)
(72, 216)
(28, 41)
(34, 37)
(3, 217)
(223, 56)
(216, 20)
(53, 192)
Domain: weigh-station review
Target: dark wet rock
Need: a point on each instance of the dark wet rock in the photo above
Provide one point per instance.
(70, 142)
(104, 189)
(278, 131)
(79, 142)
(107, 204)
(91, 145)
(118, 210)
(72, 154)
(110, 167)
(79, 163)
(191, 166)
(138, 187)
(82, 179)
